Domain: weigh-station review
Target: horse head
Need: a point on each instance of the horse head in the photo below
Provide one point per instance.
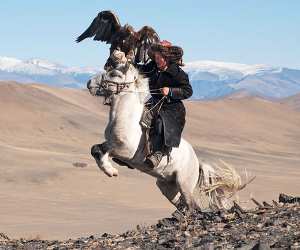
(120, 77)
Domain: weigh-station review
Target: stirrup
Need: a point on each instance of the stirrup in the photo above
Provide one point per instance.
(146, 119)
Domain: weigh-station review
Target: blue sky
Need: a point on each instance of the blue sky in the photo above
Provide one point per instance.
(242, 31)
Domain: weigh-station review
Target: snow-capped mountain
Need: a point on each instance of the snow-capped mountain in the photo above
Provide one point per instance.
(43, 71)
(210, 79)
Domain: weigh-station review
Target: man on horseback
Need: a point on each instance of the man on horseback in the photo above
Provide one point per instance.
(183, 178)
(168, 85)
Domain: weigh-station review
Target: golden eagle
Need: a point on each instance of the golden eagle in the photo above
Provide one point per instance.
(106, 27)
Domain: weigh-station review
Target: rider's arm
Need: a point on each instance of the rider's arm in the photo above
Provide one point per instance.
(184, 89)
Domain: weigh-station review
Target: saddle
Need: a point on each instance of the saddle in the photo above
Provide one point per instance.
(151, 129)
(146, 125)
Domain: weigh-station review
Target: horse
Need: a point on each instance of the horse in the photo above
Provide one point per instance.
(181, 178)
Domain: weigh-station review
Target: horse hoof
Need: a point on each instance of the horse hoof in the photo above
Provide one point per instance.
(110, 171)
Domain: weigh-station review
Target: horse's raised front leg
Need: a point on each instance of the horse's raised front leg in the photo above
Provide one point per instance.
(101, 152)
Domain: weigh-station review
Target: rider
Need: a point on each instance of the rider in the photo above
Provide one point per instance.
(169, 84)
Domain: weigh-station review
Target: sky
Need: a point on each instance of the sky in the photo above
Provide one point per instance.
(245, 31)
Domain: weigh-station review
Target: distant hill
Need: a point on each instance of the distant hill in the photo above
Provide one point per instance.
(210, 79)
(239, 94)
(293, 101)
(43, 71)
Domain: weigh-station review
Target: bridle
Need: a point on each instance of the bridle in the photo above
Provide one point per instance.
(105, 84)
(120, 86)
(108, 92)
(109, 88)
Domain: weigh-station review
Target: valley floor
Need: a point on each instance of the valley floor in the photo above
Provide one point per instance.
(45, 131)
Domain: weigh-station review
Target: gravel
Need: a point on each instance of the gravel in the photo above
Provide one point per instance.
(275, 226)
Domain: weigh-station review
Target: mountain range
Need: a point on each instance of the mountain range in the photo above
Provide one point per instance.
(210, 79)
(43, 71)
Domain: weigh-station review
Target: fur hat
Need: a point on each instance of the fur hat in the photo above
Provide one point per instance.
(173, 54)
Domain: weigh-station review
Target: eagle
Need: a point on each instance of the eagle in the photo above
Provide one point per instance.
(106, 27)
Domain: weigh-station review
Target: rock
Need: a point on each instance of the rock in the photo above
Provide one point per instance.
(274, 227)
(80, 164)
(3, 237)
(288, 199)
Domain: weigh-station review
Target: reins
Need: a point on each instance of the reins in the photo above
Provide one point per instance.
(121, 88)
(122, 85)
(160, 103)
(152, 92)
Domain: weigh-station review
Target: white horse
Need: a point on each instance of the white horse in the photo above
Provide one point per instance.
(183, 177)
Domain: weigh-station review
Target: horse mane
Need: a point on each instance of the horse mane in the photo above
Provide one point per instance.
(142, 82)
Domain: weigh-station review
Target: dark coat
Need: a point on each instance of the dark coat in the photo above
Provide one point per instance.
(172, 111)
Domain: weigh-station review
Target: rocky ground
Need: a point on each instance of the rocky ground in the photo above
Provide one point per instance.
(269, 226)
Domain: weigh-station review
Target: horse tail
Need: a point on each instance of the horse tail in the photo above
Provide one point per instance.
(216, 185)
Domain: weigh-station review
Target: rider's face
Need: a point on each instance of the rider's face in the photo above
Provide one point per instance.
(160, 61)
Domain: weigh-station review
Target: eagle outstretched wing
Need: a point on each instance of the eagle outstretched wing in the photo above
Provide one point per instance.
(103, 27)
(147, 36)
(106, 27)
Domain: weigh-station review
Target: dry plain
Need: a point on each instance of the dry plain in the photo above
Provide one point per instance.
(45, 130)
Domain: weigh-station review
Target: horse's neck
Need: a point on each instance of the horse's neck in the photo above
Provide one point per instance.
(127, 108)
(125, 115)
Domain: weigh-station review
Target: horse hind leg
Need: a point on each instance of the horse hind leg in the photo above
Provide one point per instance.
(187, 193)
(178, 197)
(100, 152)
(170, 191)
